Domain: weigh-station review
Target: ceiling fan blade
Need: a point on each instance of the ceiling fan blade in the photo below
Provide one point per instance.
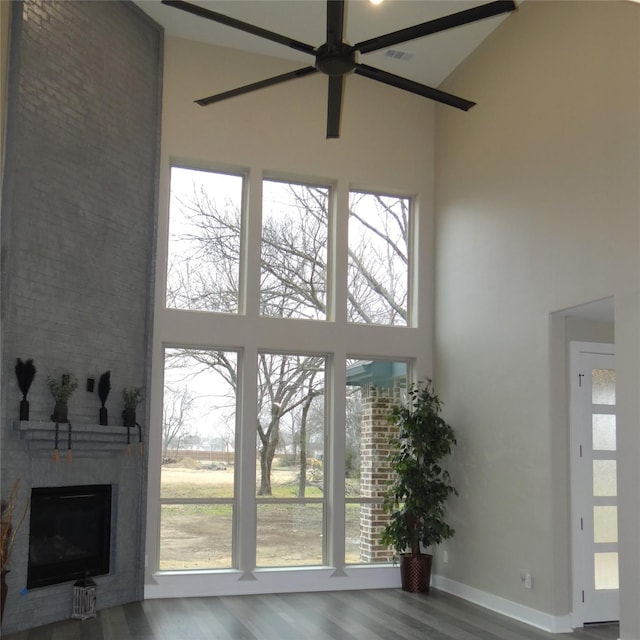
(434, 26)
(291, 75)
(239, 24)
(335, 22)
(334, 106)
(413, 87)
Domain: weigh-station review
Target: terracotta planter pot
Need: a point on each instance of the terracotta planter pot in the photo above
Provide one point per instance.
(415, 572)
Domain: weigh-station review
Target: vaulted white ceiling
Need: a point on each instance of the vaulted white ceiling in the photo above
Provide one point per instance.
(427, 60)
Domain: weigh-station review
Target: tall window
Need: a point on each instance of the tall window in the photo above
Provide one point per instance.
(290, 443)
(295, 221)
(197, 490)
(265, 463)
(378, 259)
(203, 270)
(373, 386)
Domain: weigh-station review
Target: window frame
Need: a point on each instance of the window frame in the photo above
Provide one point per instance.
(250, 333)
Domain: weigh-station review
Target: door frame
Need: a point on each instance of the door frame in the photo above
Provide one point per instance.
(578, 611)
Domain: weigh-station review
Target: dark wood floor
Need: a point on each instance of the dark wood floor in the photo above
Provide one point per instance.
(381, 614)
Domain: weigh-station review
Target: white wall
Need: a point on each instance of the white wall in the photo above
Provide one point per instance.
(386, 136)
(537, 205)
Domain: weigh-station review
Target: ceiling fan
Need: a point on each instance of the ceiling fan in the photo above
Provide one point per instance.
(336, 58)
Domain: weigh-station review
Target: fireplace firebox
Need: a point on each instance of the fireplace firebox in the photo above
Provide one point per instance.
(70, 534)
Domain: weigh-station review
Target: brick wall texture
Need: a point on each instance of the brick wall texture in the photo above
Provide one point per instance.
(78, 237)
(375, 471)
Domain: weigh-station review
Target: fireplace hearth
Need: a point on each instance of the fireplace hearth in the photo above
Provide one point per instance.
(70, 534)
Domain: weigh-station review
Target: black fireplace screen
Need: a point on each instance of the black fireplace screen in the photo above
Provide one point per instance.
(70, 534)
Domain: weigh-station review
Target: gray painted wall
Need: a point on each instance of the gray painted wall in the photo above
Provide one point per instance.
(78, 235)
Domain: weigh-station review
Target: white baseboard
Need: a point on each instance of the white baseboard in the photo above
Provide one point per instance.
(533, 617)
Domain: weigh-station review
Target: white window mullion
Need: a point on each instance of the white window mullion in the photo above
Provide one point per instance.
(337, 278)
(245, 519)
(251, 255)
(339, 225)
(336, 460)
(245, 516)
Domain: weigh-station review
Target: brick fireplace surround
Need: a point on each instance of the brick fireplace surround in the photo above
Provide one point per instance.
(78, 237)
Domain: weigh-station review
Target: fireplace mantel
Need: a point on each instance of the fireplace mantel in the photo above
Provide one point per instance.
(86, 439)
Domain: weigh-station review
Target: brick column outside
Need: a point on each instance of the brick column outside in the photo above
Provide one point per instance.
(375, 474)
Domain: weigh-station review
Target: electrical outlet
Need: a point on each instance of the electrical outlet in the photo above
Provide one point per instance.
(526, 579)
(445, 557)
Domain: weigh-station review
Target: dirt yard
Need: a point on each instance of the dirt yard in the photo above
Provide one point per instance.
(198, 536)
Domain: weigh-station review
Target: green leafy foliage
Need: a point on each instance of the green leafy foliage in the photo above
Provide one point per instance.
(131, 397)
(62, 385)
(416, 499)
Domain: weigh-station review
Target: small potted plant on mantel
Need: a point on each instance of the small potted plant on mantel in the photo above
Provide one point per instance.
(416, 498)
(61, 386)
(131, 397)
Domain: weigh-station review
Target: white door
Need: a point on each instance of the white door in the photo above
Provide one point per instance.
(594, 483)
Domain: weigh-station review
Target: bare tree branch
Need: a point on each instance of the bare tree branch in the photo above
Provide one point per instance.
(206, 230)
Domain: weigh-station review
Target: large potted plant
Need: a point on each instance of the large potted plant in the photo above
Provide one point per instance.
(416, 498)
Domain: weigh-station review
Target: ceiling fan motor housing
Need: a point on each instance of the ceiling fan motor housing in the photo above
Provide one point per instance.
(337, 60)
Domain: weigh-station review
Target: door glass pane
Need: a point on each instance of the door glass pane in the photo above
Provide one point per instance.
(289, 535)
(203, 267)
(378, 267)
(603, 386)
(373, 388)
(606, 570)
(604, 432)
(605, 524)
(604, 478)
(295, 231)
